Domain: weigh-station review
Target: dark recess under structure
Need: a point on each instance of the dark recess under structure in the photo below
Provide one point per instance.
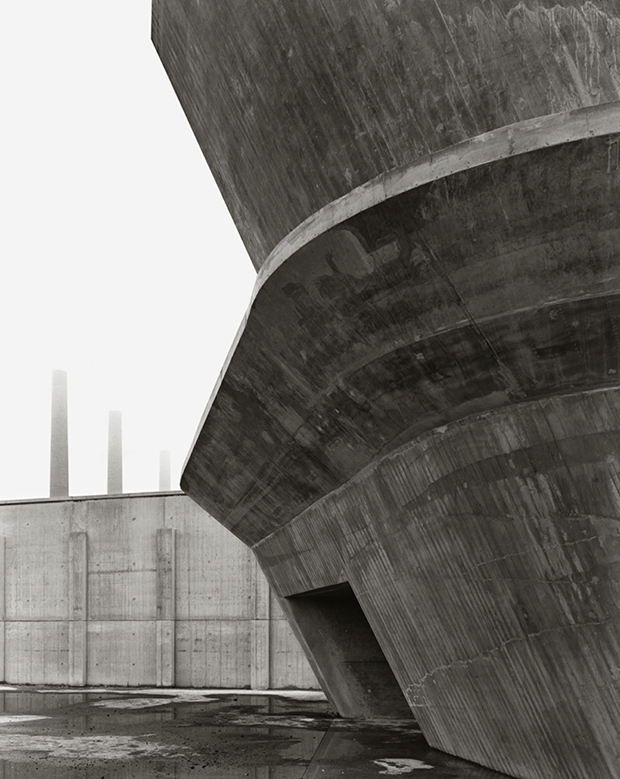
(346, 655)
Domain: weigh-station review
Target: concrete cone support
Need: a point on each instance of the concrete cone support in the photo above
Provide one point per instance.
(418, 428)
(115, 453)
(59, 447)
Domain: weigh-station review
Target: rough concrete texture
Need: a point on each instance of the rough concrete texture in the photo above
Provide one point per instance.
(485, 289)
(135, 590)
(423, 403)
(296, 104)
(433, 418)
(114, 734)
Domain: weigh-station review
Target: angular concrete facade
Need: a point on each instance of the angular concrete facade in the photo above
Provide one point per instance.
(417, 430)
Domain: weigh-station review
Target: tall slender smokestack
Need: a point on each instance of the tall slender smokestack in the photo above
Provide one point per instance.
(59, 447)
(164, 471)
(115, 453)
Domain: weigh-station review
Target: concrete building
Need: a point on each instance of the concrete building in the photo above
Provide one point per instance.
(417, 430)
(136, 590)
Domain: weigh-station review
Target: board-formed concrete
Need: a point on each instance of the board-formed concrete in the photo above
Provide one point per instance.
(422, 408)
(136, 590)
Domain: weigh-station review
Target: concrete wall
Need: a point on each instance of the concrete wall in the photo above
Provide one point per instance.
(136, 590)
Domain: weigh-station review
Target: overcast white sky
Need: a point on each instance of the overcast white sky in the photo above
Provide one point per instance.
(120, 263)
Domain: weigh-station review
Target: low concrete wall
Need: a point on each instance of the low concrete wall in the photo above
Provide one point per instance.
(136, 590)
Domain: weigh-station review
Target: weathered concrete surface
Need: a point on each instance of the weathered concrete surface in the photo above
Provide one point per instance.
(484, 289)
(295, 104)
(134, 590)
(486, 557)
(423, 403)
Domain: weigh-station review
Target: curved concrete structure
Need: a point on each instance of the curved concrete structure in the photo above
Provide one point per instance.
(417, 429)
(296, 104)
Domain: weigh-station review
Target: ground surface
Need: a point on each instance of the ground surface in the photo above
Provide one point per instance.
(143, 734)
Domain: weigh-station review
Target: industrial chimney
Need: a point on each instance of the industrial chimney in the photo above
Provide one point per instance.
(115, 453)
(59, 447)
(164, 471)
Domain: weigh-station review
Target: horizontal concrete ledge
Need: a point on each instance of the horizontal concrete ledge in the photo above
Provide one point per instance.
(510, 141)
(79, 498)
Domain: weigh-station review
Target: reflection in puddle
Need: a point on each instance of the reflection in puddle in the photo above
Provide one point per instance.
(146, 703)
(26, 702)
(151, 734)
(276, 722)
(398, 766)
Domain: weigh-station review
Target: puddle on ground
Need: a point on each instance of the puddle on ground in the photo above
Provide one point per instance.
(148, 703)
(25, 746)
(399, 766)
(152, 733)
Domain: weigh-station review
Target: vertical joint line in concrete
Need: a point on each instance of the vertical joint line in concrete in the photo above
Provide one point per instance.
(260, 597)
(165, 543)
(78, 608)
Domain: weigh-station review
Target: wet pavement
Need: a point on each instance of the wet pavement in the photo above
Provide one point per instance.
(215, 734)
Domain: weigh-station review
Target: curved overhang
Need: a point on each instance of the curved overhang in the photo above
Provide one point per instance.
(512, 140)
(437, 290)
